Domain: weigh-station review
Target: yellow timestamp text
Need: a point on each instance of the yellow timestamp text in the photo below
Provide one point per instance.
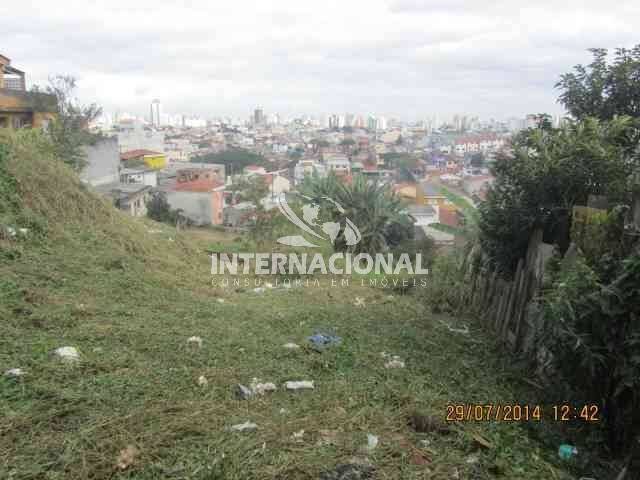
(469, 412)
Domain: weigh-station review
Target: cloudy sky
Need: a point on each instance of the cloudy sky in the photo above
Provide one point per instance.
(405, 58)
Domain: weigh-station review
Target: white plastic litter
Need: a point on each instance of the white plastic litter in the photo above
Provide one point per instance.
(395, 363)
(220, 300)
(244, 427)
(195, 341)
(14, 372)
(298, 436)
(258, 290)
(202, 381)
(471, 459)
(23, 231)
(291, 346)
(68, 354)
(372, 442)
(299, 385)
(259, 388)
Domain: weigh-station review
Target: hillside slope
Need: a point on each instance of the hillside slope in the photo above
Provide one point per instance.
(129, 293)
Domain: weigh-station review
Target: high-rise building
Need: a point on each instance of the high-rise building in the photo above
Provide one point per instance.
(258, 116)
(156, 113)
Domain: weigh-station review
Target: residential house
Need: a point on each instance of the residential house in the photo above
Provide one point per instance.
(131, 198)
(19, 108)
(450, 215)
(429, 194)
(254, 170)
(278, 184)
(307, 167)
(337, 163)
(198, 194)
(150, 158)
(407, 191)
(423, 214)
(172, 169)
(140, 176)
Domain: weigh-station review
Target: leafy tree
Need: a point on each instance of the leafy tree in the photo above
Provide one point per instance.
(594, 329)
(318, 143)
(603, 89)
(69, 131)
(158, 209)
(347, 144)
(546, 174)
(234, 160)
(250, 189)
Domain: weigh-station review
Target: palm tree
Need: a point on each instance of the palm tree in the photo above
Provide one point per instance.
(378, 214)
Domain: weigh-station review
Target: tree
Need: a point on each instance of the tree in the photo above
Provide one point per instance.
(158, 209)
(546, 174)
(603, 89)
(69, 131)
(234, 160)
(347, 144)
(318, 143)
(376, 210)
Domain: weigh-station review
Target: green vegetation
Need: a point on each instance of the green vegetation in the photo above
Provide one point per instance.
(591, 297)
(601, 89)
(470, 212)
(234, 160)
(548, 172)
(68, 132)
(129, 299)
(377, 210)
(158, 209)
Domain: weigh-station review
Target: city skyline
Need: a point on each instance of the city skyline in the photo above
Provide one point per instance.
(402, 58)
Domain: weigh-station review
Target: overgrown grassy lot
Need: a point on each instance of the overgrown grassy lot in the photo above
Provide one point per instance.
(129, 293)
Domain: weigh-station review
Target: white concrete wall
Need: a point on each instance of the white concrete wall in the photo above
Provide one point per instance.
(103, 161)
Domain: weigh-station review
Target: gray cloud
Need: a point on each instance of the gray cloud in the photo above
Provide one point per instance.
(408, 58)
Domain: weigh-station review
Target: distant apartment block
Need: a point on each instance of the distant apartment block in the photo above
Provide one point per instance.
(19, 108)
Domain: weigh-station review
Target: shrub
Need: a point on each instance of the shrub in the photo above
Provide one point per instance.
(593, 332)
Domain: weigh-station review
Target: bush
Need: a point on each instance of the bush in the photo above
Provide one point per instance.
(593, 332)
(159, 210)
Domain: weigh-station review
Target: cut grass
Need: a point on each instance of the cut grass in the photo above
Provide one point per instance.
(136, 383)
(128, 299)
